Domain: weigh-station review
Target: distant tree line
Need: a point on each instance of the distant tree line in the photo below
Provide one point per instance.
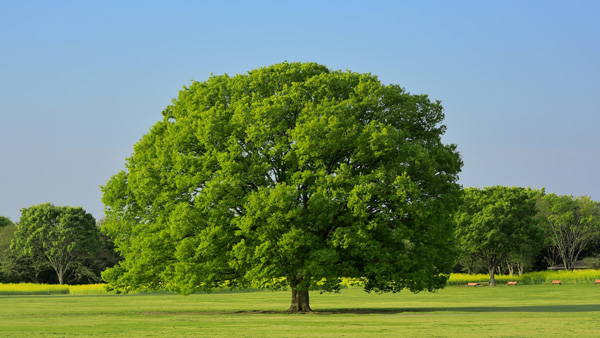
(512, 230)
(54, 244)
(499, 230)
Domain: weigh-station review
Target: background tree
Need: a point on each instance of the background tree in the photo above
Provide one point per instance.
(290, 171)
(61, 236)
(571, 224)
(521, 260)
(6, 235)
(105, 257)
(16, 266)
(497, 222)
(5, 221)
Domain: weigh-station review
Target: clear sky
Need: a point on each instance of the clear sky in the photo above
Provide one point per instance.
(82, 81)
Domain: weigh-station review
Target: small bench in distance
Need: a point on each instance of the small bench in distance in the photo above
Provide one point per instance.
(557, 282)
(512, 282)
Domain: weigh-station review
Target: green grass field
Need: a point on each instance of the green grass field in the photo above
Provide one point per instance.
(457, 311)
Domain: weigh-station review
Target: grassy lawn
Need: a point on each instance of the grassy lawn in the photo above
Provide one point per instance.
(505, 311)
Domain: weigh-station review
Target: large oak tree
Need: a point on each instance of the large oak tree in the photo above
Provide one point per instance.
(287, 176)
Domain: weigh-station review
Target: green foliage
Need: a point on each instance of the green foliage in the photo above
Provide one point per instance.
(570, 224)
(5, 221)
(15, 266)
(290, 171)
(90, 269)
(6, 235)
(496, 223)
(19, 267)
(59, 236)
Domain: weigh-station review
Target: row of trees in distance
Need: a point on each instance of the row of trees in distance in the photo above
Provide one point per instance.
(498, 229)
(511, 229)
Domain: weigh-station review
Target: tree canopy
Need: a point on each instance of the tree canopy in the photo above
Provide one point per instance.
(497, 222)
(289, 175)
(60, 236)
(6, 236)
(5, 221)
(570, 223)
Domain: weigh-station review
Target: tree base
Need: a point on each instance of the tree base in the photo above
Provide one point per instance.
(293, 309)
(300, 302)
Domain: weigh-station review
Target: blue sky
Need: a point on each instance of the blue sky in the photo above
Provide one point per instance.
(81, 82)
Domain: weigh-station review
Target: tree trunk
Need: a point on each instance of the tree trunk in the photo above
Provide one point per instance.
(521, 269)
(492, 277)
(61, 270)
(471, 266)
(300, 301)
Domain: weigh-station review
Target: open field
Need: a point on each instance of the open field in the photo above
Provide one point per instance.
(505, 311)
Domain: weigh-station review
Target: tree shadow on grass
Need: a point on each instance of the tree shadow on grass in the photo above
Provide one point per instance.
(469, 309)
(432, 311)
